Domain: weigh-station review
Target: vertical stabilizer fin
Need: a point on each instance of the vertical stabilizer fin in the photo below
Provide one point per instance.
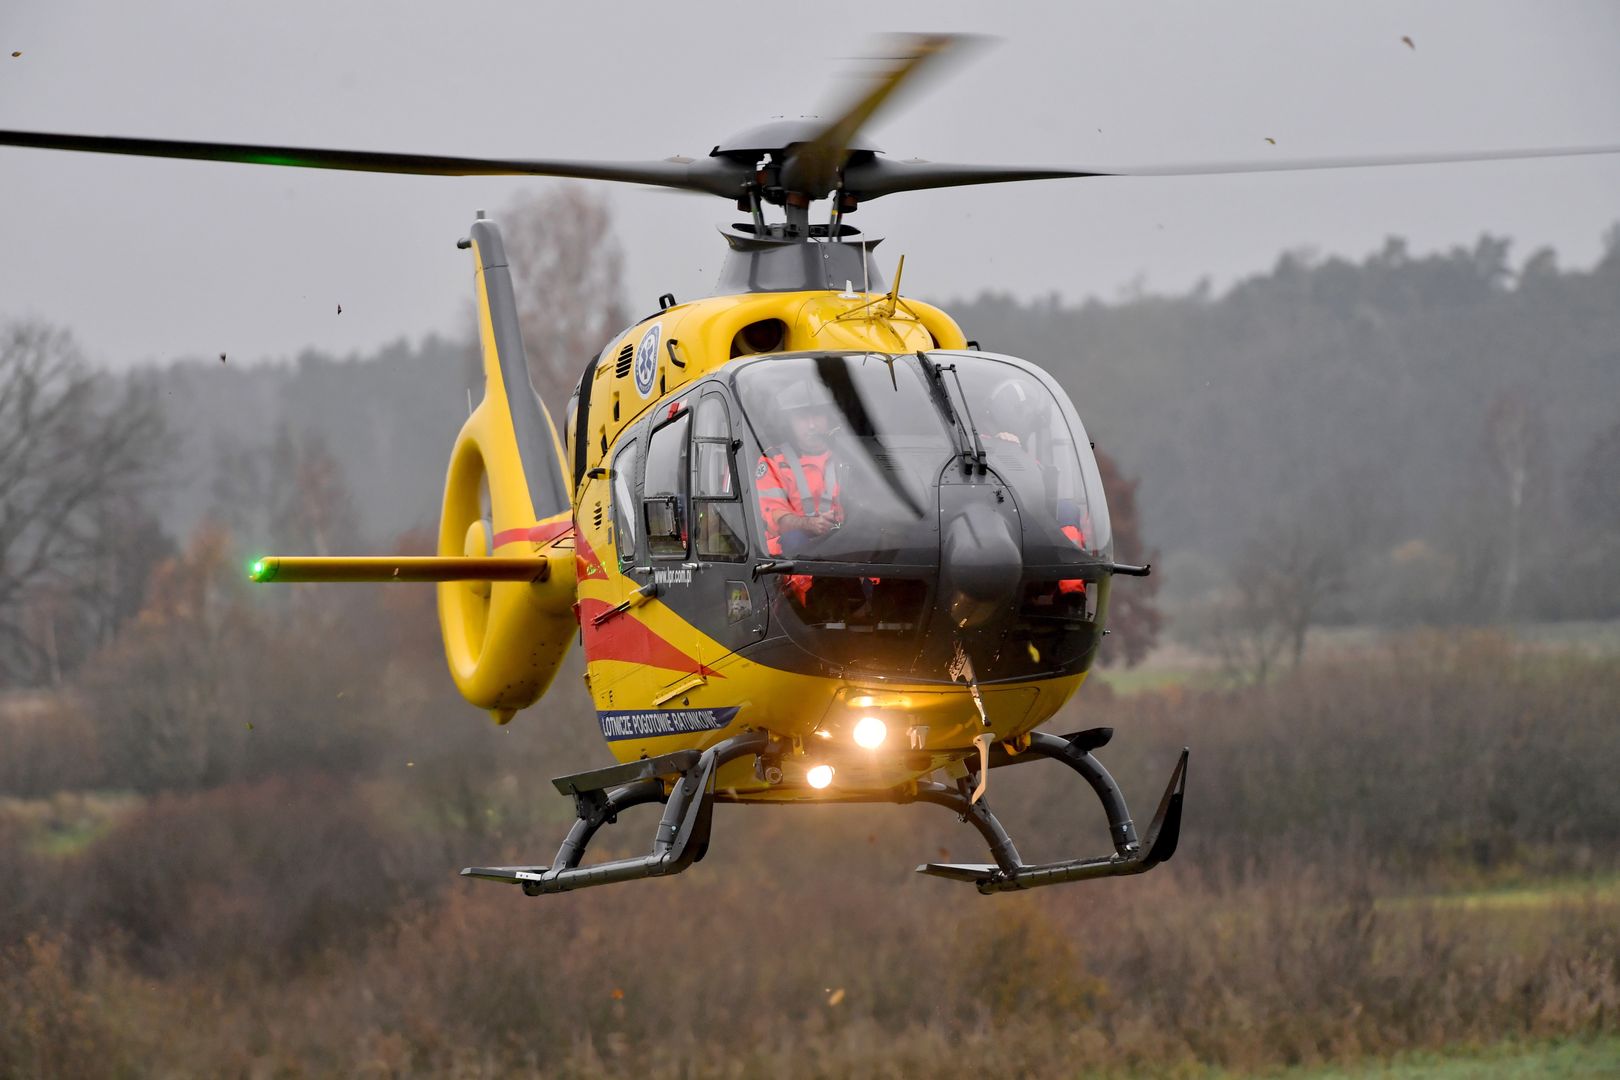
(506, 495)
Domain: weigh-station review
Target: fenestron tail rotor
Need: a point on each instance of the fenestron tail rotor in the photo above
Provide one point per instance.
(505, 564)
(505, 495)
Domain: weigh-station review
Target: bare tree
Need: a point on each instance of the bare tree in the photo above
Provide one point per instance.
(291, 495)
(1303, 574)
(1516, 439)
(1247, 636)
(1594, 486)
(240, 489)
(314, 511)
(1285, 579)
(568, 273)
(77, 452)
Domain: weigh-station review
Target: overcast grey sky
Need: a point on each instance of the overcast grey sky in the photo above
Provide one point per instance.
(150, 260)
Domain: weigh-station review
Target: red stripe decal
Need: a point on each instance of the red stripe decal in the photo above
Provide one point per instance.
(537, 534)
(624, 637)
(546, 532)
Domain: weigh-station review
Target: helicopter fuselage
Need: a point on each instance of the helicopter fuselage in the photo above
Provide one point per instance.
(962, 591)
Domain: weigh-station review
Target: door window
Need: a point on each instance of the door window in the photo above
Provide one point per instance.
(624, 504)
(717, 511)
(663, 496)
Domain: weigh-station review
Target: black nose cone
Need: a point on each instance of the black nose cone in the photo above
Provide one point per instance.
(981, 562)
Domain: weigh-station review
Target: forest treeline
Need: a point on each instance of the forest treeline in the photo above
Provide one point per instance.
(1401, 440)
(1386, 383)
(1447, 425)
(1444, 427)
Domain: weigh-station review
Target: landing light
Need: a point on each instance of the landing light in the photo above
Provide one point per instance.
(819, 776)
(870, 732)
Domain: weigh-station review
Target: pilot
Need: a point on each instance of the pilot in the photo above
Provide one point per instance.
(1015, 405)
(797, 482)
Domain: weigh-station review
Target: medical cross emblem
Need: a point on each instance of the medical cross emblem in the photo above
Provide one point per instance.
(647, 361)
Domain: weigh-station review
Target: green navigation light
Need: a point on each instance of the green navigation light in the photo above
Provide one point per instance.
(259, 571)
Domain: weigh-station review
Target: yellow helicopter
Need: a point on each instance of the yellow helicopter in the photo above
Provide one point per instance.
(816, 545)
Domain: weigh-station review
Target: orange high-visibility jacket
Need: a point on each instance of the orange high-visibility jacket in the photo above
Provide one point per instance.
(777, 481)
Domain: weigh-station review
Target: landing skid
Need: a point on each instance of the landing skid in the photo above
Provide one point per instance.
(683, 832)
(1009, 873)
(682, 836)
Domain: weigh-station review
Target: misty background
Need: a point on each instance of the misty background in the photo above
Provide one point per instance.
(154, 260)
(1366, 424)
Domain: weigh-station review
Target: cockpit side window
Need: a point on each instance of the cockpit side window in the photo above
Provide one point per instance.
(663, 496)
(717, 511)
(624, 503)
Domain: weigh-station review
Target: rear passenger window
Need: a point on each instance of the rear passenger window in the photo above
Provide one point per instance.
(624, 503)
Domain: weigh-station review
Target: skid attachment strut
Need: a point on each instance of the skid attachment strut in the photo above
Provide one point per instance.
(682, 836)
(1009, 872)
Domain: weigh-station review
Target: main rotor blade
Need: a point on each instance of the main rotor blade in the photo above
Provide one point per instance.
(812, 167)
(847, 399)
(881, 176)
(1365, 161)
(714, 176)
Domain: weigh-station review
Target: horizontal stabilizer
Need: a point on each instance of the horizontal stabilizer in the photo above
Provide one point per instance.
(387, 568)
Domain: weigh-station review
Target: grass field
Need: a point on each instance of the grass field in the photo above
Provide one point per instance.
(1398, 861)
(67, 822)
(1566, 1060)
(1186, 665)
(1541, 894)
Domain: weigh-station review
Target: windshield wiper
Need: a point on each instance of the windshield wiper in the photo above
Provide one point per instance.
(963, 433)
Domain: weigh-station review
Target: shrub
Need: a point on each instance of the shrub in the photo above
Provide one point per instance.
(264, 875)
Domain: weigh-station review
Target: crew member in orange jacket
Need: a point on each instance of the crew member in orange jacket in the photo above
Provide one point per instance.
(797, 483)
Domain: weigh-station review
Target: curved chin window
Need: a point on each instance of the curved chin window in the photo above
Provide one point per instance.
(871, 624)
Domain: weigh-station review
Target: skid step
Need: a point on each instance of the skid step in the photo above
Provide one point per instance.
(512, 875)
(615, 775)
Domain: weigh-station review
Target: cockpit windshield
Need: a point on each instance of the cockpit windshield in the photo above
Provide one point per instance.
(884, 483)
(855, 445)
